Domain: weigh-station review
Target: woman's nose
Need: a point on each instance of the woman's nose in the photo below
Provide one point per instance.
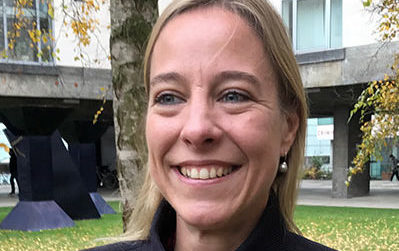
(200, 128)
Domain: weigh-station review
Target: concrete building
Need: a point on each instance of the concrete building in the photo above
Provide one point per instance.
(51, 89)
(46, 85)
(337, 48)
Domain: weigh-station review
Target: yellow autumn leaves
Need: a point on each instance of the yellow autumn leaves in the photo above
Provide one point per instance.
(5, 147)
(104, 91)
(82, 28)
(25, 22)
(79, 16)
(381, 100)
(85, 23)
(378, 104)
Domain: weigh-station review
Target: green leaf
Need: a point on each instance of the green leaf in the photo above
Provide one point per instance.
(367, 3)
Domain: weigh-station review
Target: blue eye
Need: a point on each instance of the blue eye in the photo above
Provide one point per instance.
(234, 97)
(168, 99)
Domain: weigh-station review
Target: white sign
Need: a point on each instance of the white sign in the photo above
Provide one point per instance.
(325, 132)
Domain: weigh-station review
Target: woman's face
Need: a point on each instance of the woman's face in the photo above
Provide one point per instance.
(214, 129)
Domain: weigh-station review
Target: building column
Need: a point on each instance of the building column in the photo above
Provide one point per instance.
(346, 137)
(340, 156)
(360, 184)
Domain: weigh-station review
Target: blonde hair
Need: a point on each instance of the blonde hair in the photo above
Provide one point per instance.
(268, 25)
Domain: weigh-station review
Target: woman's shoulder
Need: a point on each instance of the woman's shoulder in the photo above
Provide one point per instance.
(300, 243)
(122, 246)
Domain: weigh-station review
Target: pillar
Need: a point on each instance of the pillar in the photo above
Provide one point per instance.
(346, 136)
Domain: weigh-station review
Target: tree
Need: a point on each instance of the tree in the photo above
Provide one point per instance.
(381, 97)
(131, 23)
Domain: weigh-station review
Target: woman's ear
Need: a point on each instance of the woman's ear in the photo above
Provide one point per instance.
(290, 128)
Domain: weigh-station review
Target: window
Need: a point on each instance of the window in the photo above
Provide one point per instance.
(24, 49)
(313, 24)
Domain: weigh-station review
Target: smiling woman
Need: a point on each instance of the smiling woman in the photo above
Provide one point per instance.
(225, 131)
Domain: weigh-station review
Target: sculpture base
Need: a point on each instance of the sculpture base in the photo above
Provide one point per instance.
(36, 216)
(101, 204)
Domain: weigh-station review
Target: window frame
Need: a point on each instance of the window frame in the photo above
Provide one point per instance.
(327, 27)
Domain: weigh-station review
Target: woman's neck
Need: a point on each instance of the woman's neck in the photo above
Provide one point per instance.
(222, 238)
(190, 238)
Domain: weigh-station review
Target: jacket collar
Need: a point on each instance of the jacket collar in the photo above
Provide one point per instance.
(268, 234)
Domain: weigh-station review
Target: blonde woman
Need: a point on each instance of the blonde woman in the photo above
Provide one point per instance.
(225, 131)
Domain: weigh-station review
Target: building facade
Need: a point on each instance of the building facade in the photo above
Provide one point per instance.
(50, 81)
(337, 48)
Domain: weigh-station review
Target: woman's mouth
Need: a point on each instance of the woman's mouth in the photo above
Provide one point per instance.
(206, 173)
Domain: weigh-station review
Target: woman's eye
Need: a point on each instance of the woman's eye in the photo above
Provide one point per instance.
(168, 99)
(234, 97)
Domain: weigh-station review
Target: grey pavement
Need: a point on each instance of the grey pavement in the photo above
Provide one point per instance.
(10, 201)
(383, 194)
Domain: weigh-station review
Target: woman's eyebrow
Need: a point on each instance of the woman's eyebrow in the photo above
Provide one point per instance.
(237, 75)
(166, 77)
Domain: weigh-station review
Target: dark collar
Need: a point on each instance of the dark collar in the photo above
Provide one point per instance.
(270, 230)
(267, 235)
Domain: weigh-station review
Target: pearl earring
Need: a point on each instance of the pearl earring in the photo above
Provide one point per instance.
(283, 167)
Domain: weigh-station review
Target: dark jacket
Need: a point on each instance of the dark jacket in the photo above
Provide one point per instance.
(394, 164)
(269, 234)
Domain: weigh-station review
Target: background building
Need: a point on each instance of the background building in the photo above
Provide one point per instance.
(56, 83)
(337, 48)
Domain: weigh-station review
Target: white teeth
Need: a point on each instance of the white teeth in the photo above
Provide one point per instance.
(194, 173)
(219, 172)
(212, 173)
(204, 174)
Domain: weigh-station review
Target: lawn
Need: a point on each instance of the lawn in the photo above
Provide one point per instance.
(350, 228)
(85, 233)
(337, 227)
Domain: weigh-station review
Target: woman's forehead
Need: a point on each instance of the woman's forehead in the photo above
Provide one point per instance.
(211, 31)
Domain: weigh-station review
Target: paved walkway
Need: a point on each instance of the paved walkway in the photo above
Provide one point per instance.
(10, 201)
(383, 194)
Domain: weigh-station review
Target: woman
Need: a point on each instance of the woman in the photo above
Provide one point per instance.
(225, 131)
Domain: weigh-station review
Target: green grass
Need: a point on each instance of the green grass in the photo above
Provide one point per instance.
(337, 227)
(350, 228)
(84, 234)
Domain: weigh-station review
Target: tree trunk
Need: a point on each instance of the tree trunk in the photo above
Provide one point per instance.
(131, 23)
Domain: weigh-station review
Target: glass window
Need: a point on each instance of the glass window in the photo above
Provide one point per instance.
(336, 23)
(46, 47)
(24, 48)
(1, 36)
(287, 15)
(313, 24)
(325, 121)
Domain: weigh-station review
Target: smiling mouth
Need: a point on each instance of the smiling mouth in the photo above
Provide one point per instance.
(206, 173)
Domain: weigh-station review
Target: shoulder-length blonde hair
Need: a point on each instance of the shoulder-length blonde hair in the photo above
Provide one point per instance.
(268, 25)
